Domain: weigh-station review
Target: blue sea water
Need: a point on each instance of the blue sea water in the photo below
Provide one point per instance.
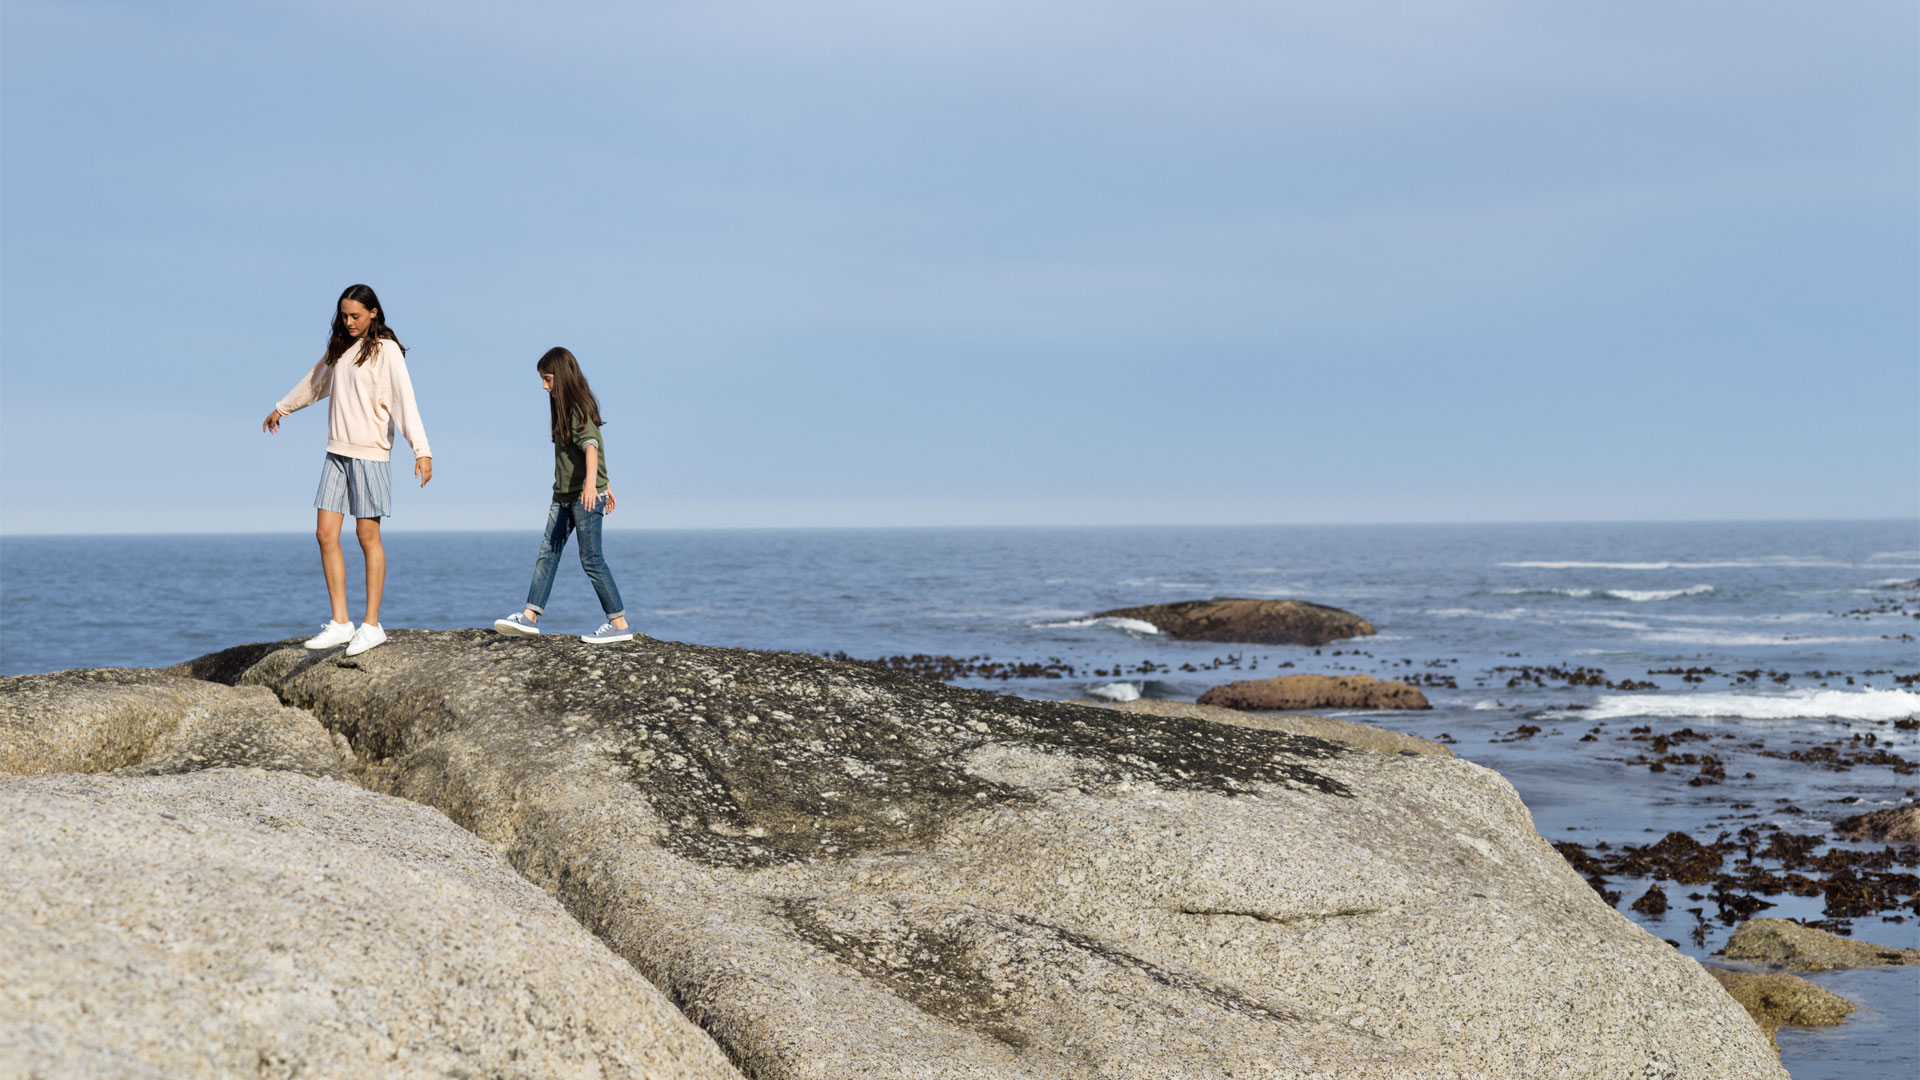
(1821, 616)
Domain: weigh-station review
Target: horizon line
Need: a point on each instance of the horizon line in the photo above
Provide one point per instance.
(1915, 520)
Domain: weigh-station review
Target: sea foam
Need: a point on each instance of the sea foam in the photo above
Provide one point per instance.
(1637, 596)
(1133, 626)
(1765, 561)
(1792, 705)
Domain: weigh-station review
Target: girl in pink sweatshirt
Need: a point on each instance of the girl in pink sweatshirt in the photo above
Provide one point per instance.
(363, 376)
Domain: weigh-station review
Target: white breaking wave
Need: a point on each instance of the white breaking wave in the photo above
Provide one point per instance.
(1723, 639)
(1136, 626)
(1788, 561)
(1793, 705)
(1116, 691)
(1637, 596)
(1894, 556)
(1508, 615)
(1641, 596)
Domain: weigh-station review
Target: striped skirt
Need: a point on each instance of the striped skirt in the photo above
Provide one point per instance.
(355, 486)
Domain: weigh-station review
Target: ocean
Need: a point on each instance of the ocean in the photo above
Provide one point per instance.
(1770, 670)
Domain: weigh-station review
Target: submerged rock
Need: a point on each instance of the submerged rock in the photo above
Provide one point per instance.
(1785, 944)
(240, 922)
(1255, 622)
(1776, 1000)
(1316, 692)
(841, 871)
(1331, 728)
(1895, 825)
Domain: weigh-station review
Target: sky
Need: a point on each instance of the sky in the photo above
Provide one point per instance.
(973, 263)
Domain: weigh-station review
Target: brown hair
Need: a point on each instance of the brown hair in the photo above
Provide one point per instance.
(340, 341)
(573, 399)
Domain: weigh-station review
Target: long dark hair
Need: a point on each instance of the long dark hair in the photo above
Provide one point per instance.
(341, 341)
(572, 397)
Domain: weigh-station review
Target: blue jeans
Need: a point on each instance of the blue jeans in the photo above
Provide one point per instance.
(566, 515)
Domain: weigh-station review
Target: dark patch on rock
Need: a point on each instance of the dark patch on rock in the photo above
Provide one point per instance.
(753, 758)
(1259, 622)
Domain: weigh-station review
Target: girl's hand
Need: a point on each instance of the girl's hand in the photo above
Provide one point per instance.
(423, 468)
(272, 424)
(610, 500)
(589, 498)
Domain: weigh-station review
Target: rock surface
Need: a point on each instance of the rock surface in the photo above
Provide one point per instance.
(1316, 692)
(1785, 944)
(1775, 1000)
(840, 871)
(139, 721)
(240, 922)
(1331, 728)
(1255, 622)
(1895, 825)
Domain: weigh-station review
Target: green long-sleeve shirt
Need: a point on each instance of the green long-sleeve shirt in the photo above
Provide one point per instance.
(570, 460)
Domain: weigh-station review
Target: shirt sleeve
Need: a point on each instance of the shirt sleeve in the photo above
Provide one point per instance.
(587, 433)
(317, 384)
(406, 412)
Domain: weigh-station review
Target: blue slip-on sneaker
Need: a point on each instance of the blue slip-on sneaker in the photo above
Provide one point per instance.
(516, 623)
(607, 633)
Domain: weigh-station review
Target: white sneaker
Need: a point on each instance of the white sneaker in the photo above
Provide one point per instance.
(608, 633)
(516, 623)
(366, 638)
(331, 634)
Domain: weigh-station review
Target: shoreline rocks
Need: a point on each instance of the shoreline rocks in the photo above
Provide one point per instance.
(836, 870)
(1781, 943)
(1286, 692)
(1253, 622)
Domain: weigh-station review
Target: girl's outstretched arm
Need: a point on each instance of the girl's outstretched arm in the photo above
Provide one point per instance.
(317, 384)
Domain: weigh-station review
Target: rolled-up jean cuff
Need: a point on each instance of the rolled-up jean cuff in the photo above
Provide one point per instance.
(536, 609)
(612, 615)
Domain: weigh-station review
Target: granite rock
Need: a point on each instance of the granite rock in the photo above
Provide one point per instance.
(1782, 943)
(1331, 728)
(133, 720)
(1255, 622)
(246, 923)
(1316, 692)
(1775, 1000)
(1894, 825)
(841, 871)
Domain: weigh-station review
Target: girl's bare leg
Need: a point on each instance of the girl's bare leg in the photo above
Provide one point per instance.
(369, 532)
(333, 564)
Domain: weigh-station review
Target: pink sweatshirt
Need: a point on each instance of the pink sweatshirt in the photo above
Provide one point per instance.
(366, 401)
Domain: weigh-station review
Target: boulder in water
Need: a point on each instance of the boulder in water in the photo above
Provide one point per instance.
(1316, 692)
(1255, 622)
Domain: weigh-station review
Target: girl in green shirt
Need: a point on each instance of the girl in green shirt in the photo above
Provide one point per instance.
(581, 499)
